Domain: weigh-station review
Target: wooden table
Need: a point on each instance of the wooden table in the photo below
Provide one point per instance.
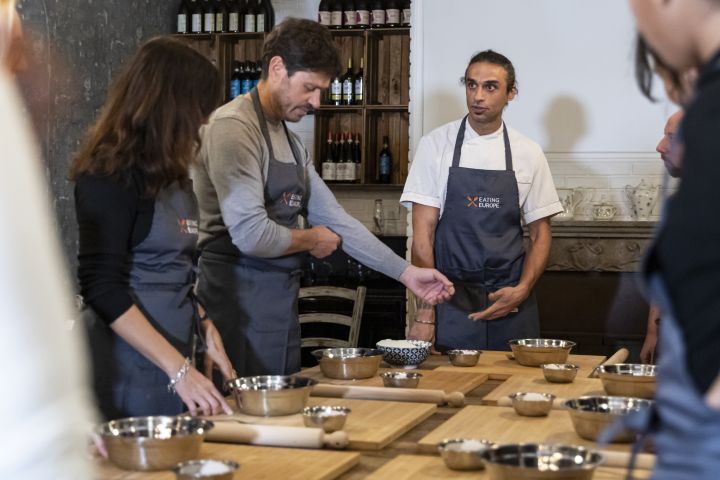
(404, 454)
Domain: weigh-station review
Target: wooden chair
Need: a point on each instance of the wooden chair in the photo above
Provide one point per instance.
(353, 322)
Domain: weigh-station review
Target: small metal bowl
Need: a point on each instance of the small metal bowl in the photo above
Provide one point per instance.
(404, 356)
(525, 405)
(401, 379)
(329, 418)
(628, 379)
(153, 443)
(206, 470)
(591, 415)
(540, 462)
(463, 453)
(559, 372)
(533, 352)
(349, 363)
(271, 395)
(464, 358)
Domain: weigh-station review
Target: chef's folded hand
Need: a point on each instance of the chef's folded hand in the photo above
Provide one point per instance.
(427, 284)
(198, 393)
(505, 301)
(325, 242)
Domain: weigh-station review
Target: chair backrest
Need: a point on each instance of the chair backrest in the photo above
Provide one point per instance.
(353, 322)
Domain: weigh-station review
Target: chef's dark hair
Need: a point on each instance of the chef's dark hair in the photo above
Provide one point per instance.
(303, 45)
(647, 62)
(495, 58)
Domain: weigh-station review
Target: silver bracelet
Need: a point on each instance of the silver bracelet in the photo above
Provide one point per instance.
(424, 322)
(179, 376)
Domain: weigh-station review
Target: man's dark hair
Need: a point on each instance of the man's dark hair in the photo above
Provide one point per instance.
(303, 45)
(495, 58)
(647, 62)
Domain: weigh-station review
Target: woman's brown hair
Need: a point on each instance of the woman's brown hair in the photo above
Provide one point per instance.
(151, 120)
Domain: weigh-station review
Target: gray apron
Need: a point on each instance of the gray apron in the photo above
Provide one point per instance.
(161, 274)
(252, 300)
(479, 247)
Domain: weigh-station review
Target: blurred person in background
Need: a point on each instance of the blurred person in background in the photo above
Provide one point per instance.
(683, 267)
(138, 228)
(46, 403)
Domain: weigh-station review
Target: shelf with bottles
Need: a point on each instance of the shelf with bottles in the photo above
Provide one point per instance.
(224, 16)
(364, 14)
(392, 127)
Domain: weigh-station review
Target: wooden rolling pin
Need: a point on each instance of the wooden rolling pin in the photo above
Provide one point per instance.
(507, 402)
(618, 357)
(643, 461)
(439, 397)
(232, 431)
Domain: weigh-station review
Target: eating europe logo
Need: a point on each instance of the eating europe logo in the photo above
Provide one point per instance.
(480, 201)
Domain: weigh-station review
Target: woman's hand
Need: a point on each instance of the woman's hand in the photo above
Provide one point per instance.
(215, 355)
(198, 392)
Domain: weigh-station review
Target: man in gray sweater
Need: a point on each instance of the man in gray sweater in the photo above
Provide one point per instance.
(253, 181)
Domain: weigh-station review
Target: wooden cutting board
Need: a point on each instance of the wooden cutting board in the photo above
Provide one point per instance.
(414, 467)
(371, 426)
(464, 382)
(256, 462)
(499, 367)
(524, 383)
(503, 425)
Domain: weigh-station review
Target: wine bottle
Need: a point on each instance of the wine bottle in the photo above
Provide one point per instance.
(336, 91)
(208, 16)
(233, 16)
(220, 16)
(247, 78)
(336, 14)
(349, 14)
(377, 14)
(359, 85)
(392, 13)
(329, 168)
(235, 80)
(196, 20)
(385, 163)
(362, 14)
(324, 13)
(261, 17)
(269, 16)
(250, 16)
(182, 17)
(342, 163)
(258, 73)
(406, 13)
(348, 85)
(357, 158)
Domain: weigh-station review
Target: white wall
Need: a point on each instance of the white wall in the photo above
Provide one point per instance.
(574, 63)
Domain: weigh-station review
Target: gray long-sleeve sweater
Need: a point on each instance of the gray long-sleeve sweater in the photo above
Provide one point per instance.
(229, 182)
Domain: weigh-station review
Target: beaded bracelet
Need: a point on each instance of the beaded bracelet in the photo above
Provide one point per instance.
(179, 376)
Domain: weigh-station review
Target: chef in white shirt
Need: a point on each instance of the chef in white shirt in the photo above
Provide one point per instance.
(471, 184)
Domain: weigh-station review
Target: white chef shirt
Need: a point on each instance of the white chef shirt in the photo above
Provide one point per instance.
(427, 180)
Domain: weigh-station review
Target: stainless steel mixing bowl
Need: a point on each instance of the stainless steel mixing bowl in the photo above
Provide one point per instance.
(329, 418)
(271, 395)
(464, 358)
(463, 453)
(533, 352)
(628, 379)
(526, 406)
(201, 470)
(153, 443)
(591, 415)
(349, 363)
(401, 379)
(559, 372)
(540, 462)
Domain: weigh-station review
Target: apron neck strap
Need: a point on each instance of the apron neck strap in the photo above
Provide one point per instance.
(461, 138)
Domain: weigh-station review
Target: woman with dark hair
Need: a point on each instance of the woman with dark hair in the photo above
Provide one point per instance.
(137, 218)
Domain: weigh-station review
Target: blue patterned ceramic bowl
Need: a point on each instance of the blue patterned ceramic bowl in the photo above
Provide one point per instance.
(405, 356)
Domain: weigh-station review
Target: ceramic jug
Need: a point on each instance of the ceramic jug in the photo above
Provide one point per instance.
(642, 199)
(570, 200)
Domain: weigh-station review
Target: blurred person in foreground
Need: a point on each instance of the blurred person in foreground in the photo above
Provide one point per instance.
(46, 407)
(138, 228)
(683, 267)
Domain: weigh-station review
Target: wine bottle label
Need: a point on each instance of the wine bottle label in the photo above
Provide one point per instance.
(377, 17)
(219, 22)
(234, 22)
(385, 165)
(329, 171)
(336, 90)
(336, 18)
(355, 171)
(406, 16)
(392, 15)
(260, 22)
(347, 90)
(362, 17)
(341, 172)
(182, 23)
(209, 25)
(196, 23)
(246, 86)
(324, 18)
(350, 18)
(359, 90)
(234, 88)
(249, 23)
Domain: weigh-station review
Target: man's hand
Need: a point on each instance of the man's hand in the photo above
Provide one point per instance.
(427, 284)
(215, 357)
(647, 353)
(505, 301)
(326, 242)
